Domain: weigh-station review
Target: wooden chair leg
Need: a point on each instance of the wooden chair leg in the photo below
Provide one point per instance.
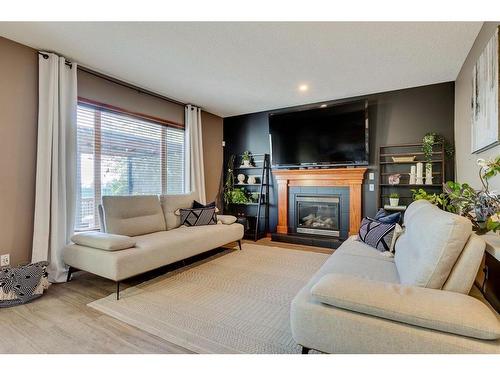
(117, 290)
(239, 244)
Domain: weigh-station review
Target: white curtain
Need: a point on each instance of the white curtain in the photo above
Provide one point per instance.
(194, 172)
(56, 162)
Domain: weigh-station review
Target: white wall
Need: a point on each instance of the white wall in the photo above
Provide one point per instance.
(466, 167)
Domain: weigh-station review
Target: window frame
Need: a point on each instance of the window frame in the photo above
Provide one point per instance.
(99, 107)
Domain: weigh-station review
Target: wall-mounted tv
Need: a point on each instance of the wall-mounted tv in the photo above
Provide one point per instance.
(335, 135)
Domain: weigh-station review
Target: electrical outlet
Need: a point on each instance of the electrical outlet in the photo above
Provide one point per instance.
(4, 260)
(371, 187)
(371, 176)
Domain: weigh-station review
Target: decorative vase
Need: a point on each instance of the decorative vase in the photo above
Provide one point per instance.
(413, 175)
(394, 202)
(428, 174)
(246, 163)
(252, 180)
(420, 174)
(241, 179)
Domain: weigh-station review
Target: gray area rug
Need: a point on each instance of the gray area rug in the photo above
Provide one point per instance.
(237, 302)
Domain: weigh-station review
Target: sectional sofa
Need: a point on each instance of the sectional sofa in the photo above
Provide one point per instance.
(142, 233)
(361, 301)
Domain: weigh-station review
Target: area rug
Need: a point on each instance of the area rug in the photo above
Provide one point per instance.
(236, 302)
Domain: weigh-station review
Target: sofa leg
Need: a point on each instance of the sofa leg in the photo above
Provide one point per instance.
(305, 350)
(70, 272)
(117, 290)
(239, 244)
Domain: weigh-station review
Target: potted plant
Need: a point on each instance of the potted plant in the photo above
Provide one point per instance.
(428, 142)
(394, 199)
(481, 207)
(246, 159)
(239, 196)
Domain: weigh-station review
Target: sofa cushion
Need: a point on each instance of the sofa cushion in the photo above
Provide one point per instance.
(423, 307)
(358, 259)
(171, 203)
(103, 241)
(133, 215)
(464, 271)
(430, 246)
(226, 219)
(151, 251)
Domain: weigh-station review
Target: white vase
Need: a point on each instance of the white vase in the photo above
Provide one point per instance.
(413, 175)
(241, 179)
(428, 174)
(393, 202)
(246, 163)
(420, 174)
(251, 180)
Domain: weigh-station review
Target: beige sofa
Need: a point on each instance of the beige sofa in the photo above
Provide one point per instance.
(143, 233)
(361, 301)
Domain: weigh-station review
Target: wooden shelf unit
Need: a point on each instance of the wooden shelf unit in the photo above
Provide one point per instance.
(256, 213)
(387, 167)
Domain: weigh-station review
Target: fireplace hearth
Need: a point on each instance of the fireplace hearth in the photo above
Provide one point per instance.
(317, 215)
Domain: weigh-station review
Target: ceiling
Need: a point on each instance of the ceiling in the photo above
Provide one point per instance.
(234, 68)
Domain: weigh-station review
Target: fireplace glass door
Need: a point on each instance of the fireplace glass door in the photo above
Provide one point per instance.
(317, 215)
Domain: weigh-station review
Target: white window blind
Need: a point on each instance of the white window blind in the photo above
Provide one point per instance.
(120, 154)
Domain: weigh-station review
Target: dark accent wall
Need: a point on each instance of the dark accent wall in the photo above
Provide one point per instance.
(402, 116)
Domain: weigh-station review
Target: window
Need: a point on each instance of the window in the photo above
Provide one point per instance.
(121, 154)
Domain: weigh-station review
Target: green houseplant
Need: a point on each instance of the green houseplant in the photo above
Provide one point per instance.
(481, 207)
(246, 159)
(394, 199)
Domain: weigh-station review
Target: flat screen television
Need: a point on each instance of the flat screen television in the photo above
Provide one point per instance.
(331, 136)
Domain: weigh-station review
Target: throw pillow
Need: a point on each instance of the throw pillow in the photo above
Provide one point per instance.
(376, 234)
(197, 204)
(193, 217)
(226, 219)
(386, 217)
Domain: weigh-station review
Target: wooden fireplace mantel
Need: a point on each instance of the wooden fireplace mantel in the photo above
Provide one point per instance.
(349, 177)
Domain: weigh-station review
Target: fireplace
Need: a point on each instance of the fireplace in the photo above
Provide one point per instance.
(317, 215)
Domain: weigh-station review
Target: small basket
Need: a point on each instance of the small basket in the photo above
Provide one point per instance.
(403, 159)
(19, 285)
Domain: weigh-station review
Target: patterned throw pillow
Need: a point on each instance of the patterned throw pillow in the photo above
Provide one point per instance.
(193, 217)
(376, 234)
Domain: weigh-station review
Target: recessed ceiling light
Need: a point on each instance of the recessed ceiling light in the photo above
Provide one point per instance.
(303, 87)
(322, 106)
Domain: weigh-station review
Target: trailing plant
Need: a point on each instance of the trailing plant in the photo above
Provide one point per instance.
(228, 186)
(431, 139)
(481, 207)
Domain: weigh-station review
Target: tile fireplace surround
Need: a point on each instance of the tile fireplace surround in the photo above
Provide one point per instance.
(347, 177)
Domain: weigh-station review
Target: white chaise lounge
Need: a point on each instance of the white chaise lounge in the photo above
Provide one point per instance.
(143, 233)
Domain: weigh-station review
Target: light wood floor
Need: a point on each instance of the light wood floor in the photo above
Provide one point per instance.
(61, 322)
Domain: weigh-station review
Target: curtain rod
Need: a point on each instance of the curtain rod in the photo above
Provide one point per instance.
(118, 82)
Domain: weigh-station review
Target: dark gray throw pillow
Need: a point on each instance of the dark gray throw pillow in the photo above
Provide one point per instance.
(197, 204)
(193, 217)
(387, 217)
(376, 234)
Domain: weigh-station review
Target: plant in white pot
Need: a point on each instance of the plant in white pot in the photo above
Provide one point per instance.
(246, 159)
(394, 199)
